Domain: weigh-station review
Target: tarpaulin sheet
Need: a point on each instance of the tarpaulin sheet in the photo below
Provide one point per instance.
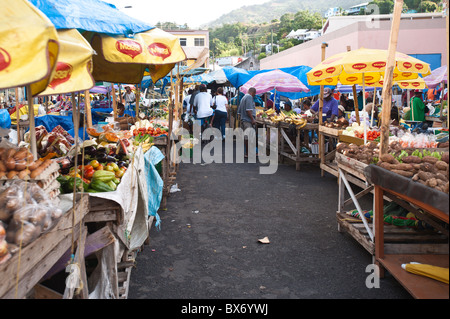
(155, 183)
(406, 186)
(52, 121)
(238, 77)
(90, 15)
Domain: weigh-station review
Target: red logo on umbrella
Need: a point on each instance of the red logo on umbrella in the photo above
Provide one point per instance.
(329, 80)
(368, 78)
(160, 50)
(359, 66)
(317, 73)
(407, 65)
(406, 74)
(419, 66)
(379, 65)
(129, 47)
(352, 79)
(415, 84)
(5, 59)
(404, 83)
(330, 70)
(62, 74)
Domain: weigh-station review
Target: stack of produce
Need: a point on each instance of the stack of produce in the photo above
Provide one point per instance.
(26, 211)
(4, 251)
(341, 123)
(57, 143)
(286, 117)
(95, 163)
(18, 163)
(425, 166)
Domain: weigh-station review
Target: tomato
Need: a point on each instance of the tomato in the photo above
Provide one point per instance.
(114, 166)
(99, 167)
(119, 173)
(89, 173)
(109, 168)
(95, 164)
(88, 167)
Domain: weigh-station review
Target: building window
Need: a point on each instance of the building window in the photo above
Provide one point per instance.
(199, 42)
(183, 42)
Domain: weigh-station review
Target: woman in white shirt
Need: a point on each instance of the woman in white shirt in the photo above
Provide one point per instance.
(221, 111)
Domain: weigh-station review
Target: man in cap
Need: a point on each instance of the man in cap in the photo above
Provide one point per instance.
(330, 109)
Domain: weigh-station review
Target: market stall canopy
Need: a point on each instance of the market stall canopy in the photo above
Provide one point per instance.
(90, 15)
(274, 80)
(238, 77)
(365, 65)
(219, 76)
(28, 46)
(74, 65)
(436, 77)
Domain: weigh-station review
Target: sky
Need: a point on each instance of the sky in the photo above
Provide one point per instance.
(193, 12)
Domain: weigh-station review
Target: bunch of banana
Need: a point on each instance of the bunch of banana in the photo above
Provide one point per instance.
(146, 146)
(270, 112)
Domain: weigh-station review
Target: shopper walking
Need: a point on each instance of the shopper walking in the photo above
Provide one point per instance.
(220, 104)
(202, 106)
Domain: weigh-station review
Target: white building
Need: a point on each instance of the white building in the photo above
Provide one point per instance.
(356, 9)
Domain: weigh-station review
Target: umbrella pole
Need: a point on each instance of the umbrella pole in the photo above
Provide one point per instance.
(138, 98)
(355, 94)
(321, 137)
(389, 77)
(31, 121)
(113, 92)
(17, 115)
(364, 109)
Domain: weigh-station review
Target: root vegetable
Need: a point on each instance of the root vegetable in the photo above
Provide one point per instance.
(430, 159)
(441, 165)
(10, 164)
(403, 173)
(20, 165)
(402, 167)
(432, 182)
(11, 174)
(445, 157)
(388, 158)
(412, 159)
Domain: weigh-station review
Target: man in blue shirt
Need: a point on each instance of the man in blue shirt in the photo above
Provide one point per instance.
(330, 106)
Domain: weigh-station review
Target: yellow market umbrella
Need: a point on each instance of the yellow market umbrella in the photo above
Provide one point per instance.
(74, 65)
(124, 60)
(28, 46)
(364, 65)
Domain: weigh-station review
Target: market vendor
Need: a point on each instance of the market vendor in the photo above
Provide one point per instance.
(418, 108)
(124, 119)
(330, 108)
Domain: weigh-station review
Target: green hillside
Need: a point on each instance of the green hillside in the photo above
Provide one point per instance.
(274, 9)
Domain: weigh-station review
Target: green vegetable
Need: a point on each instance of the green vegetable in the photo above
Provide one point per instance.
(116, 180)
(436, 155)
(103, 175)
(78, 183)
(112, 184)
(100, 186)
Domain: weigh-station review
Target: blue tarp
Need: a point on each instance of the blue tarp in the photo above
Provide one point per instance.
(90, 15)
(5, 119)
(238, 77)
(155, 183)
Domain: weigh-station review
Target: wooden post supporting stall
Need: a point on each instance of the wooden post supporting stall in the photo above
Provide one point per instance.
(389, 78)
(16, 90)
(321, 137)
(355, 95)
(31, 121)
(114, 101)
(138, 98)
(87, 108)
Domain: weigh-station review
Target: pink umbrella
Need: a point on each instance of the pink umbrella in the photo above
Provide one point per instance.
(436, 77)
(274, 80)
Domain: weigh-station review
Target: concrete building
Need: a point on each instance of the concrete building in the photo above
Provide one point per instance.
(194, 43)
(421, 35)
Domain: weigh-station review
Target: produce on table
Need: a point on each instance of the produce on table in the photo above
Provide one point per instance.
(100, 168)
(4, 251)
(424, 166)
(338, 124)
(27, 211)
(57, 143)
(286, 117)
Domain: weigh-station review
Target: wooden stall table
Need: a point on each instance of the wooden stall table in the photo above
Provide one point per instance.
(294, 152)
(435, 204)
(361, 229)
(326, 153)
(22, 273)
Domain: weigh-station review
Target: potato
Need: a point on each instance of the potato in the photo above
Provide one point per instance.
(5, 214)
(432, 182)
(25, 235)
(403, 167)
(385, 165)
(425, 176)
(20, 165)
(10, 164)
(2, 167)
(21, 154)
(427, 167)
(445, 157)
